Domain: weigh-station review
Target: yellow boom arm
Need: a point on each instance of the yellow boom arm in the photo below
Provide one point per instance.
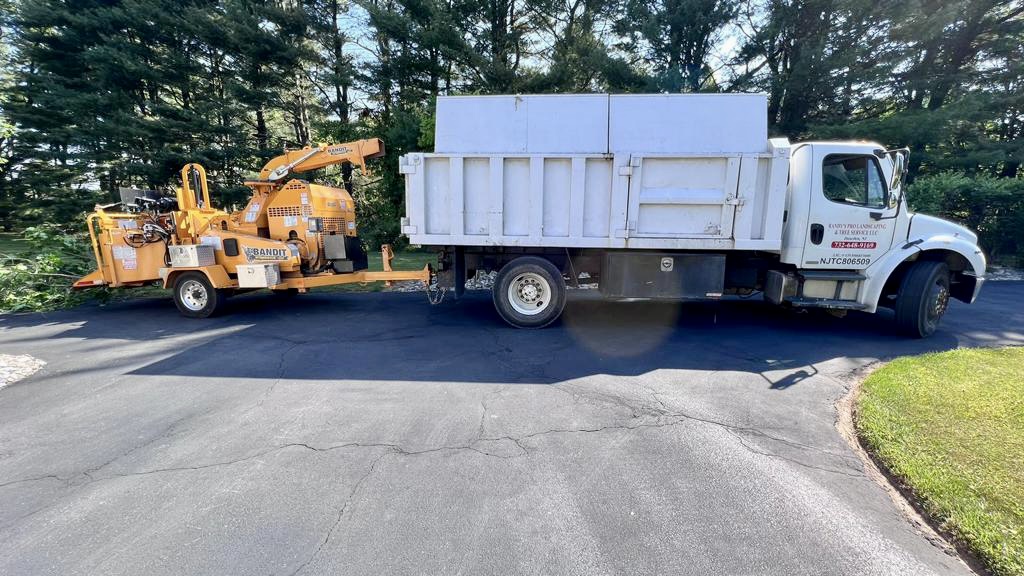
(311, 158)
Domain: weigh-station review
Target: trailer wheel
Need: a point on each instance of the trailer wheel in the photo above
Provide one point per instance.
(529, 292)
(923, 298)
(196, 297)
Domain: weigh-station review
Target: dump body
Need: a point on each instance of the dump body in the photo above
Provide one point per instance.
(632, 180)
(712, 201)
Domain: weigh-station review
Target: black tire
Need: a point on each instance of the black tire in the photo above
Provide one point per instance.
(539, 292)
(923, 298)
(286, 293)
(196, 297)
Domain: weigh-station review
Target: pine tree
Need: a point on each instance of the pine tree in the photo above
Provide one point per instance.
(675, 38)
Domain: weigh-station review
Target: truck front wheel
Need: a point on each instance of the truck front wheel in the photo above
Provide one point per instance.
(195, 296)
(529, 292)
(923, 298)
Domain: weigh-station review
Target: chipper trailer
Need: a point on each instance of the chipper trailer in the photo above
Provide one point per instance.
(291, 236)
(675, 197)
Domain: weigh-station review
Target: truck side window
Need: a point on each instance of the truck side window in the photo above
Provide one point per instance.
(853, 180)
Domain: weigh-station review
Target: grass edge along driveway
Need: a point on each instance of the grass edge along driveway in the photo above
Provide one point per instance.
(950, 426)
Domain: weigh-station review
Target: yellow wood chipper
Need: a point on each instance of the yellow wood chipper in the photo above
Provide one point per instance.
(290, 237)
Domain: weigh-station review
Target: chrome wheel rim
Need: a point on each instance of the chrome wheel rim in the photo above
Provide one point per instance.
(529, 293)
(938, 301)
(193, 295)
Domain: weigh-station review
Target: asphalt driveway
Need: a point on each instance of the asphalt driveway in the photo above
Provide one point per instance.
(375, 434)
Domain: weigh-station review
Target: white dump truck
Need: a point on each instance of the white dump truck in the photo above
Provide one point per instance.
(676, 197)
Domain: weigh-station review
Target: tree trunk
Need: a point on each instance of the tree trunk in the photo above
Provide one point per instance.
(338, 62)
(301, 113)
(262, 136)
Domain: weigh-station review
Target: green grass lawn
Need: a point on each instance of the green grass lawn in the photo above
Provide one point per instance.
(951, 425)
(405, 260)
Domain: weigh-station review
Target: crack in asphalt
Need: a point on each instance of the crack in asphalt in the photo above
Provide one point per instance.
(638, 414)
(476, 445)
(664, 410)
(167, 431)
(473, 445)
(589, 396)
(854, 474)
(759, 432)
(33, 479)
(341, 514)
(280, 368)
(483, 412)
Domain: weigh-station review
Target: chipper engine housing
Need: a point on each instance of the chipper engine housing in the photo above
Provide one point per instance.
(307, 217)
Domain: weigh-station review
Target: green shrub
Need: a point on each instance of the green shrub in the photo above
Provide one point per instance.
(994, 207)
(38, 274)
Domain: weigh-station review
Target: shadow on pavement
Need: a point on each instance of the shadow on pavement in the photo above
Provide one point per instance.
(399, 336)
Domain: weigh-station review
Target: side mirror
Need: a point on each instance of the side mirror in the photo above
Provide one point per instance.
(899, 167)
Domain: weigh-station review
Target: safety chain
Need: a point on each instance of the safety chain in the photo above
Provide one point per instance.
(436, 296)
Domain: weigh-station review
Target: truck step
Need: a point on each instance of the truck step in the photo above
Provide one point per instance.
(826, 303)
(829, 275)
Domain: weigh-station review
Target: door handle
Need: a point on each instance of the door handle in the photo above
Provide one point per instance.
(817, 233)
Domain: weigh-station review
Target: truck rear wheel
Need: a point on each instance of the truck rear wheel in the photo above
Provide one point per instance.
(529, 292)
(195, 296)
(923, 298)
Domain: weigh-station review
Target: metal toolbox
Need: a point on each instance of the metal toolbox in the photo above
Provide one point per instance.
(191, 255)
(258, 275)
(669, 275)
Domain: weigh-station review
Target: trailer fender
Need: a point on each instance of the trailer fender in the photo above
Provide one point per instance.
(217, 275)
(878, 274)
(93, 279)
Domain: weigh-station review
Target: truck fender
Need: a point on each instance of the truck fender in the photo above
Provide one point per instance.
(878, 274)
(217, 275)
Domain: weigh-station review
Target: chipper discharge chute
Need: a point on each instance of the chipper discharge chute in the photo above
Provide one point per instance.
(291, 236)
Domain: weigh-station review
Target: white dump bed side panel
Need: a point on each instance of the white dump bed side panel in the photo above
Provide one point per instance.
(540, 124)
(709, 201)
(601, 124)
(688, 123)
(496, 200)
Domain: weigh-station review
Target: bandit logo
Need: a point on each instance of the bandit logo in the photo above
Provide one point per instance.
(338, 150)
(264, 254)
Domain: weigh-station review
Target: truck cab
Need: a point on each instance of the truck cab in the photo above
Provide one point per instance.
(855, 244)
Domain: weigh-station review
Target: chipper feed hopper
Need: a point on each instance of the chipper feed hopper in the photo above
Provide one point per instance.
(290, 237)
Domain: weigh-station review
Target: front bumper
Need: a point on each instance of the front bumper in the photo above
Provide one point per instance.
(978, 281)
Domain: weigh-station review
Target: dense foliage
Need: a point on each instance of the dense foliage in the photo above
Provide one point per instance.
(99, 94)
(37, 274)
(994, 207)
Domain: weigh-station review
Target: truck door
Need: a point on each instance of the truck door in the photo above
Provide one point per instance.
(851, 217)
